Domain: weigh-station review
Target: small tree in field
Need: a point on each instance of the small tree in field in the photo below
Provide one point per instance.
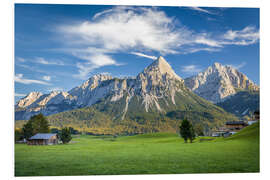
(192, 134)
(187, 131)
(65, 135)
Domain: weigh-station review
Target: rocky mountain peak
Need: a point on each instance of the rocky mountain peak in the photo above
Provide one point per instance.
(162, 67)
(29, 99)
(93, 82)
(217, 65)
(218, 82)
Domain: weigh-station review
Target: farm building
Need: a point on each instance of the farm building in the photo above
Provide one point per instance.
(257, 115)
(43, 139)
(235, 125)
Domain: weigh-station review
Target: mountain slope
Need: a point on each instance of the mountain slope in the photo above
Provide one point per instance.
(218, 82)
(243, 103)
(156, 100)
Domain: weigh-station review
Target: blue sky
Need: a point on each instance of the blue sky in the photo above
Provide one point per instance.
(57, 47)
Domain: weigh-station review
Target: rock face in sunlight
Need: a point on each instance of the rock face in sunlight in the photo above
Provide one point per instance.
(219, 82)
(155, 100)
(157, 89)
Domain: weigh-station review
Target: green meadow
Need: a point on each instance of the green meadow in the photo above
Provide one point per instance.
(157, 153)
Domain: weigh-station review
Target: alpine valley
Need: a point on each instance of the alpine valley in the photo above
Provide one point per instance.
(156, 100)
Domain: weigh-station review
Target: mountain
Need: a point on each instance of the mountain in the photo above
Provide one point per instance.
(243, 103)
(156, 100)
(36, 102)
(219, 82)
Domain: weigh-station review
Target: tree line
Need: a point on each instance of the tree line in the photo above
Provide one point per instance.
(39, 124)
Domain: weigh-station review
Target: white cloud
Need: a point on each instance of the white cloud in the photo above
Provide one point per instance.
(20, 59)
(19, 79)
(122, 29)
(42, 60)
(237, 66)
(140, 30)
(93, 61)
(248, 35)
(55, 89)
(144, 55)
(201, 10)
(191, 69)
(19, 95)
(205, 40)
(46, 78)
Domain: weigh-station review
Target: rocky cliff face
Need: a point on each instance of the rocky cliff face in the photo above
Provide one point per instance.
(155, 100)
(156, 89)
(218, 82)
(155, 82)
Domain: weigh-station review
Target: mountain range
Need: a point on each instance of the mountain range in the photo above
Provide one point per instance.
(155, 100)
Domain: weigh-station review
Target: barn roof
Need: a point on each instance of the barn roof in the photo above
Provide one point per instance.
(235, 123)
(43, 136)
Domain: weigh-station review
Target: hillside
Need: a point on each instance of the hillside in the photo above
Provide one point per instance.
(243, 103)
(249, 133)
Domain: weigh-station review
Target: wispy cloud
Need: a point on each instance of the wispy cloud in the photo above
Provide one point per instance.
(20, 79)
(191, 69)
(20, 59)
(140, 31)
(201, 10)
(42, 60)
(93, 61)
(46, 78)
(144, 55)
(248, 35)
(55, 89)
(19, 95)
(237, 66)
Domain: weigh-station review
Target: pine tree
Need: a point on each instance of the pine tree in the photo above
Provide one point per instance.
(192, 134)
(185, 129)
(65, 135)
(36, 124)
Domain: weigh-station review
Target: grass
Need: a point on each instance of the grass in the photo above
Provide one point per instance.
(158, 153)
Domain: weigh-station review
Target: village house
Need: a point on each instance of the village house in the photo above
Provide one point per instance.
(257, 115)
(43, 139)
(235, 126)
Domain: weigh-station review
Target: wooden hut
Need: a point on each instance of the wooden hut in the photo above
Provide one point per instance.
(236, 125)
(43, 139)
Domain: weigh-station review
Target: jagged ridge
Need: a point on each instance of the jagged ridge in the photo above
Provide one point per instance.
(219, 82)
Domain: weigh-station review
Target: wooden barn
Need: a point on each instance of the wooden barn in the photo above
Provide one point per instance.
(235, 125)
(43, 139)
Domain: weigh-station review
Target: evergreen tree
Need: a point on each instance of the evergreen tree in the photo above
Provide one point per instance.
(40, 124)
(28, 130)
(36, 124)
(65, 135)
(185, 129)
(192, 134)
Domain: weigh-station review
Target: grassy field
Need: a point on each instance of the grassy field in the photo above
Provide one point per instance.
(159, 153)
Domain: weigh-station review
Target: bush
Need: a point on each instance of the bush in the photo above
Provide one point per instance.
(65, 135)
